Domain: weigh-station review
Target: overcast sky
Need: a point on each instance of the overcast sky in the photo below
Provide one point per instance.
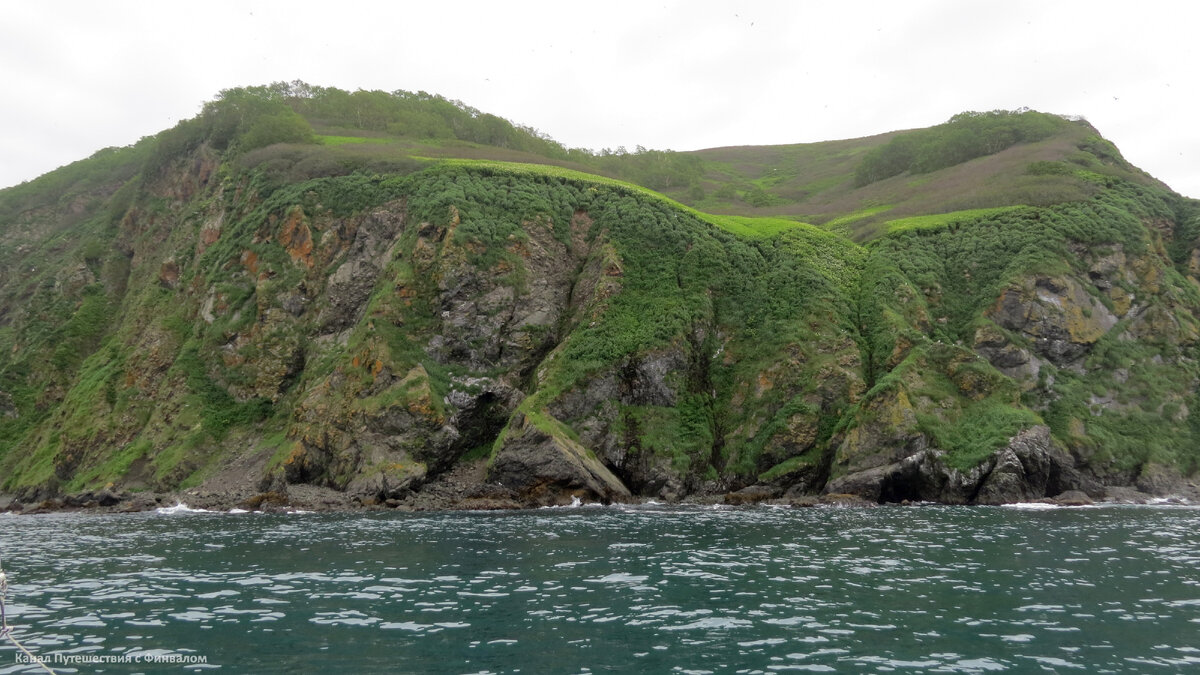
(80, 76)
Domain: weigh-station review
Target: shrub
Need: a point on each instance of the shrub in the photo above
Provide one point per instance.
(964, 137)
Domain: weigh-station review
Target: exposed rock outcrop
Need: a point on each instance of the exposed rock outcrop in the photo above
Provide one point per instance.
(1029, 468)
(1056, 314)
(355, 278)
(8, 409)
(498, 336)
(546, 467)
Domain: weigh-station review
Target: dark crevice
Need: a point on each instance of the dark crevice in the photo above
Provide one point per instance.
(480, 423)
(562, 326)
(633, 463)
(700, 382)
(978, 487)
(295, 369)
(901, 485)
(827, 440)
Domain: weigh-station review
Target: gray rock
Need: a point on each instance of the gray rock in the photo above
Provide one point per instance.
(1030, 467)
(489, 318)
(753, 494)
(1123, 495)
(482, 406)
(1160, 481)
(1057, 315)
(377, 483)
(594, 407)
(548, 468)
(347, 292)
(1021, 470)
(8, 409)
(352, 282)
(1073, 498)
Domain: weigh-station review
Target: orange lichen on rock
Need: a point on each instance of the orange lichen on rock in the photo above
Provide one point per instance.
(168, 274)
(296, 455)
(250, 262)
(210, 233)
(296, 237)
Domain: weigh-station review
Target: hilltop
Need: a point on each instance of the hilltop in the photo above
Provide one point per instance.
(306, 295)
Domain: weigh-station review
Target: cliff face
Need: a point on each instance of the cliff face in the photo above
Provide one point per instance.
(492, 335)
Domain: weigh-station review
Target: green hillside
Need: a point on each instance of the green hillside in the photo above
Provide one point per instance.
(403, 300)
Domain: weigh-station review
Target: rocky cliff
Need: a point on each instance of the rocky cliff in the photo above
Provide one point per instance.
(484, 334)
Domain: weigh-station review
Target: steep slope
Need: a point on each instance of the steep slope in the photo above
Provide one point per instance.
(198, 312)
(973, 161)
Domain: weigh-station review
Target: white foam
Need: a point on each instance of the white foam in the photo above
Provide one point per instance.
(179, 507)
(1032, 506)
(620, 578)
(712, 623)
(1169, 501)
(576, 502)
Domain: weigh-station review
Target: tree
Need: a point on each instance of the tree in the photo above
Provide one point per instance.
(282, 127)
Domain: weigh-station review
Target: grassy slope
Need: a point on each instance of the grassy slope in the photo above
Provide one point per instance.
(104, 425)
(811, 181)
(814, 182)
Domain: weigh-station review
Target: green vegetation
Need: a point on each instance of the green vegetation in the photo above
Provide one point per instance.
(740, 225)
(343, 140)
(219, 410)
(966, 136)
(103, 172)
(754, 228)
(302, 271)
(841, 221)
(935, 221)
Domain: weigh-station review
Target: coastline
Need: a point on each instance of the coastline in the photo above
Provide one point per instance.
(315, 499)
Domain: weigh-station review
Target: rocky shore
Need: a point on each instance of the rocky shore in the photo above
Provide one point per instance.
(453, 495)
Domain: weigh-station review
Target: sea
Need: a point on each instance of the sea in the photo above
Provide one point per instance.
(616, 589)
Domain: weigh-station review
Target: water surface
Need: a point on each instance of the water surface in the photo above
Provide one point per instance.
(645, 589)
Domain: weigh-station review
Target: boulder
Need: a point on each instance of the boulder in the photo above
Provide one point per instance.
(1123, 495)
(1158, 480)
(753, 494)
(1073, 498)
(1030, 467)
(8, 409)
(543, 466)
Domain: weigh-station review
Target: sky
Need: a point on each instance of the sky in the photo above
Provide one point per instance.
(81, 76)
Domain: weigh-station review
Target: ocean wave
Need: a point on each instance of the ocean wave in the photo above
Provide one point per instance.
(179, 507)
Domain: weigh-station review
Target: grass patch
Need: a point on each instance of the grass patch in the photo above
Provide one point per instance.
(791, 465)
(937, 220)
(754, 228)
(740, 225)
(842, 221)
(350, 140)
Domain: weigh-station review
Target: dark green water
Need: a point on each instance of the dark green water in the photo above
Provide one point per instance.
(647, 589)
